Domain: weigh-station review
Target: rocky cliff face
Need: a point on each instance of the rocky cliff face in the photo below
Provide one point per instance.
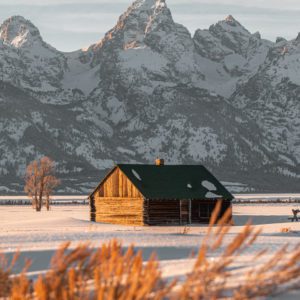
(224, 98)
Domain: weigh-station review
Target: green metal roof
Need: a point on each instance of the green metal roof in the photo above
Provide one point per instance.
(175, 182)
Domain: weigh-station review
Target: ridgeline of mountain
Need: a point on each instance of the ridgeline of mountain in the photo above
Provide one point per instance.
(224, 97)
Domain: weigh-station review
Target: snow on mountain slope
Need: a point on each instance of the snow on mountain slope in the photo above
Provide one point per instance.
(29, 63)
(237, 52)
(225, 98)
(18, 32)
(271, 97)
(79, 75)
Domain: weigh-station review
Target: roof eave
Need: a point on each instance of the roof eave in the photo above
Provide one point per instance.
(102, 181)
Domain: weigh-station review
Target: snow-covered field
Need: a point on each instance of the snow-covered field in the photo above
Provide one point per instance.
(39, 234)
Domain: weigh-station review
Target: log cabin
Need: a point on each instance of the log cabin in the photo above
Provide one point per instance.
(141, 195)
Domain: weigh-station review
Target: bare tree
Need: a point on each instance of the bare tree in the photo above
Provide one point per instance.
(51, 182)
(40, 182)
(32, 183)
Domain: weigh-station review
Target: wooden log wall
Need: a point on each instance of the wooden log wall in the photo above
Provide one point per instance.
(115, 210)
(162, 212)
(117, 201)
(184, 212)
(92, 209)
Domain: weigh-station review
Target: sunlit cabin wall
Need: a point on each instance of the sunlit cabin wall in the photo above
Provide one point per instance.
(117, 185)
(117, 201)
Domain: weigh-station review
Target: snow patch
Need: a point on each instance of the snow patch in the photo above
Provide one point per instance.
(4, 189)
(136, 175)
(234, 61)
(204, 144)
(212, 195)
(80, 76)
(209, 185)
(144, 58)
(125, 151)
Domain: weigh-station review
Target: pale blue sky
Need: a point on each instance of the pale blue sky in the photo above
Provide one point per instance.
(72, 24)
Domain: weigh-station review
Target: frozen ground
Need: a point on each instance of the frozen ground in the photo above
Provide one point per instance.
(38, 234)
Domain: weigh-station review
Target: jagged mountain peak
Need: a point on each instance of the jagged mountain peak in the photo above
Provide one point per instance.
(141, 17)
(230, 24)
(226, 37)
(230, 20)
(18, 31)
(148, 4)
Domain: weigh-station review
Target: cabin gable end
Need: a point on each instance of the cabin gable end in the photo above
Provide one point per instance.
(117, 185)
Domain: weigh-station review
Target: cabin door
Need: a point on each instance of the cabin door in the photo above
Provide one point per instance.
(202, 210)
(185, 209)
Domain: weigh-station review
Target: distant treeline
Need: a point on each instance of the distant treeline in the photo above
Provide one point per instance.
(265, 201)
(54, 202)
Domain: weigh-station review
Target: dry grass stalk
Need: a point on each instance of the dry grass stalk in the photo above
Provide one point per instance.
(70, 270)
(185, 230)
(9, 284)
(5, 271)
(82, 273)
(210, 277)
(125, 277)
(279, 274)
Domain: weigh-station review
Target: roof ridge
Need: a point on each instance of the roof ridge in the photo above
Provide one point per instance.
(175, 181)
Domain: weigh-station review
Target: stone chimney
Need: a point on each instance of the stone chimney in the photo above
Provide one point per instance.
(159, 162)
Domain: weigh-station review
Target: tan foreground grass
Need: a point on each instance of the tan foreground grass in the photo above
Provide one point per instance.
(110, 272)
(285, 230)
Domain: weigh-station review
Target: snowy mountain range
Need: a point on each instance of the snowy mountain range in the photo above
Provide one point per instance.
(225, 98)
